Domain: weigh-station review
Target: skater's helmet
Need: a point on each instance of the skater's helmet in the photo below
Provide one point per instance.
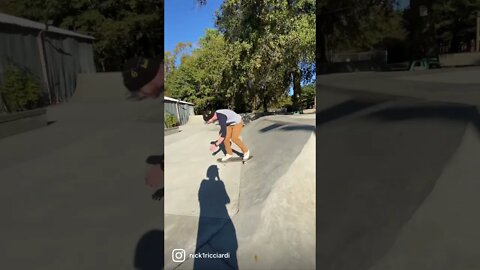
(138, 72)
(208, 114)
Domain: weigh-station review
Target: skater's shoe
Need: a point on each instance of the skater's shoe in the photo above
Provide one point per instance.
(246, 156)
(226, 157)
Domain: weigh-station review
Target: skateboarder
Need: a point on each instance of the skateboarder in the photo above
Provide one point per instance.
(231, 125)
(143, 77)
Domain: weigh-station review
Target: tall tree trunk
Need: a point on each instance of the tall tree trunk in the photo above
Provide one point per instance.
(297, 88)
(296, 77)
(265, 103)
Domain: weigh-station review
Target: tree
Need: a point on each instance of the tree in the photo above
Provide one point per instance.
(122, 28)
(172, 58)
(21, 89)
(308, 97)
(454, 22)
(204, 76)
(354, 24)
(275, 46)
(281, 41)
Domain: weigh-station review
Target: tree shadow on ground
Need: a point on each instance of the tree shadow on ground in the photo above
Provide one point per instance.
(449, 112)
(344, 109)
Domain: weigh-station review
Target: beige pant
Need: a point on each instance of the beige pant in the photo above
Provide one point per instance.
(233, 134)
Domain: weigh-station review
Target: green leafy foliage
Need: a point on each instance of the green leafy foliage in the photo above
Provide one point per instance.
(122, 28)
(282, 102)
(359, 25)
(447, 25)
(281, 40)
(21, 90)
(205, 76)
(171, 120)
(260, 50)
(356, 25)
(308, 97)
(454, 21)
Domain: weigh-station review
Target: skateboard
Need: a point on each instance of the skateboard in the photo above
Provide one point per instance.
(235, 159)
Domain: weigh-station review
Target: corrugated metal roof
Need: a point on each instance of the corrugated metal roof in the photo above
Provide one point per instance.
(9, 19)
(176, 100)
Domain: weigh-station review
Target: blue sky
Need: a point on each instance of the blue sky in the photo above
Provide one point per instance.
(186, 21)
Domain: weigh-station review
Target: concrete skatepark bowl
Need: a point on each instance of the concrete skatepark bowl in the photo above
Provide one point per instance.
(73, 194)
(397, 161)
(261, 213)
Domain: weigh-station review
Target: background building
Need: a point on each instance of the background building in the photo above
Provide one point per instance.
(53, 54)
(180, 109)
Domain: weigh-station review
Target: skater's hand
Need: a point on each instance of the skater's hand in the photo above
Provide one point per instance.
(213, 147)
(154, 178)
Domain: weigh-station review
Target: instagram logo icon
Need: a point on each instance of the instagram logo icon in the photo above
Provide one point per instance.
(178, 255)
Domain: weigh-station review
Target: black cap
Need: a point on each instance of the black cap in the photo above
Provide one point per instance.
(137, 72)
(207, 115)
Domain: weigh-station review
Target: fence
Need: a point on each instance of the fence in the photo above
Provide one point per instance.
(180, 109)
(52, 54)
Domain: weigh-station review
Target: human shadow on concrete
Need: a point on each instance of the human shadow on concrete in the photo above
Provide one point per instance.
(216, 232)
(377, 170)
(149, 251)
(222, 149)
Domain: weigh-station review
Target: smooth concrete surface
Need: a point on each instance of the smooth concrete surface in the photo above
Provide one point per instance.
(446, 85)
(261, 213)
(195, 119)
(108, 88)
(188, 159)
(284, 235)
(444, 229)
(73, 193)
(397, 173)
(18, 123)
(19, 115)
(460, 76)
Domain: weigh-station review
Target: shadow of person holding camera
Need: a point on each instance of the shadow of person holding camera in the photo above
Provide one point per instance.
(217, 244)
(149, 250)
